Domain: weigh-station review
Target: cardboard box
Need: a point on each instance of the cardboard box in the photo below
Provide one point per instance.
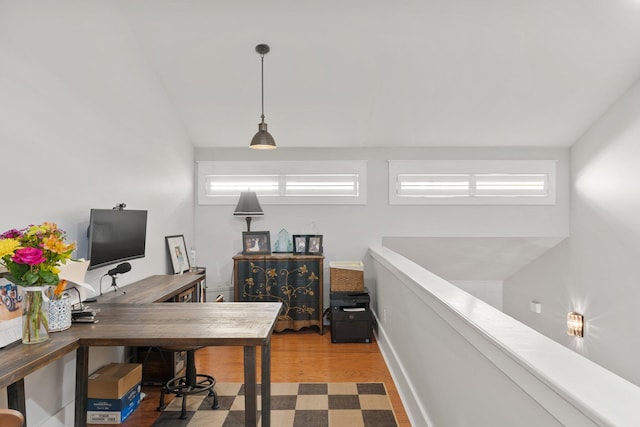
(94, 404)
(113, 417)
(112, 381)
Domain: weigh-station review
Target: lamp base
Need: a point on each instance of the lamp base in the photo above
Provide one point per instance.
(248, 223)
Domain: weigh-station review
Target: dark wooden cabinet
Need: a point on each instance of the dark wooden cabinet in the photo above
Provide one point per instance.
(158, 365)
(294, 280)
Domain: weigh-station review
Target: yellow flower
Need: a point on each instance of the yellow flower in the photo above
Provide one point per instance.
(8, 247)
(55, 270)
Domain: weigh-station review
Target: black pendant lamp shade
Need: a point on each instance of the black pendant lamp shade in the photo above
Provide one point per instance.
(263, 139)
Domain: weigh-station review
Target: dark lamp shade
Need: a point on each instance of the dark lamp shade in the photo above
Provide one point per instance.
(248, 204)
(263, 139)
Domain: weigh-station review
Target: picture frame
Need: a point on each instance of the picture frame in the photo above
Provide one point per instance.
(299, 244)
(314, 244)
(307, 244)
(10, 312)
(178, 254)
(256, 242)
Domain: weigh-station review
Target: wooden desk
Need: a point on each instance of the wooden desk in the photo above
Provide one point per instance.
(20, 360)
(124, 324)
(208, 324)
(158, 288)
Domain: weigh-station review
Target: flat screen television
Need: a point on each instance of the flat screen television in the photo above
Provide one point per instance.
(115, 236)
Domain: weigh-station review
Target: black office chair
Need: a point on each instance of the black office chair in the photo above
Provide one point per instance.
(190, 383)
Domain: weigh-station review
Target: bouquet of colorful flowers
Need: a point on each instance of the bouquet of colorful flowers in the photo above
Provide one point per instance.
(32, 257)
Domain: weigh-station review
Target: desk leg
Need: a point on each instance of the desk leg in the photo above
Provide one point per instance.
(16, 398)
(266, 384)
(250, 396)
(82, 381)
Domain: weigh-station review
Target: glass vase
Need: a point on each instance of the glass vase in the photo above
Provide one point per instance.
(35, 321)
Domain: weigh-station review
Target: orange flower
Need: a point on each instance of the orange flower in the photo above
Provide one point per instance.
(56, 245)
(60, 288)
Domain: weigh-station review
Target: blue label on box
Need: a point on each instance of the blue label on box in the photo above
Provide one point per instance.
(113, 417)
(114, 404)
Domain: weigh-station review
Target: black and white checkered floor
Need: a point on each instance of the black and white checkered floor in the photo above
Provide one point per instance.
(292, 405)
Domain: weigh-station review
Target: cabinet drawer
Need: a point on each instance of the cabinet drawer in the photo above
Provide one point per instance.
(186, 296)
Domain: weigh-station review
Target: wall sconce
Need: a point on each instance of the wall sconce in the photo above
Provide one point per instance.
(575, 324)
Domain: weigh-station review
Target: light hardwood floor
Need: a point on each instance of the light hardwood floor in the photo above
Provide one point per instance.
(304, 356)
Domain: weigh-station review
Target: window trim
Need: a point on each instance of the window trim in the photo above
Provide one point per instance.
(472, 168)
(283, 169)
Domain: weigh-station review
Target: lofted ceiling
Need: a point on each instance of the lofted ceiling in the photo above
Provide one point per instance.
(357, 73)
(341, 73)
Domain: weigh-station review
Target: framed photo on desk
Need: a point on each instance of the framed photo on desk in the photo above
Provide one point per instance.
(256, 243)
(314, 245)
(178, 254)
(307, 244)
(299, 244)
(10, 313)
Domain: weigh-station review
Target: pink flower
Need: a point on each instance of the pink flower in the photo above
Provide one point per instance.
(11, 234)
(29, 256)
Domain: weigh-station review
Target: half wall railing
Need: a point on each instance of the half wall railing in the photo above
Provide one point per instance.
(458, 361)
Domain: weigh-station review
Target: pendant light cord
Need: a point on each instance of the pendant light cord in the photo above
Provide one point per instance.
(262, 82)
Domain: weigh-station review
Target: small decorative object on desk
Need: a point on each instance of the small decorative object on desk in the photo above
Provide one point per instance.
(284, 243)
(32, 257)
(59, 309)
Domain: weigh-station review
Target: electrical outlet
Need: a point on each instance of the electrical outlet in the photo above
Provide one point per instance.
(384, 315)
(535, 306)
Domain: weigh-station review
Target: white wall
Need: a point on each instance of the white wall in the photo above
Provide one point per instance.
(597, 270)
(68, 145)
(349, 230)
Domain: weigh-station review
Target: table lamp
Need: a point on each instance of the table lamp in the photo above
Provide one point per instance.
(248, 206)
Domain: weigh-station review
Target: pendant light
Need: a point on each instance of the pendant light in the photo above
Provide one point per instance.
(263, 139)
